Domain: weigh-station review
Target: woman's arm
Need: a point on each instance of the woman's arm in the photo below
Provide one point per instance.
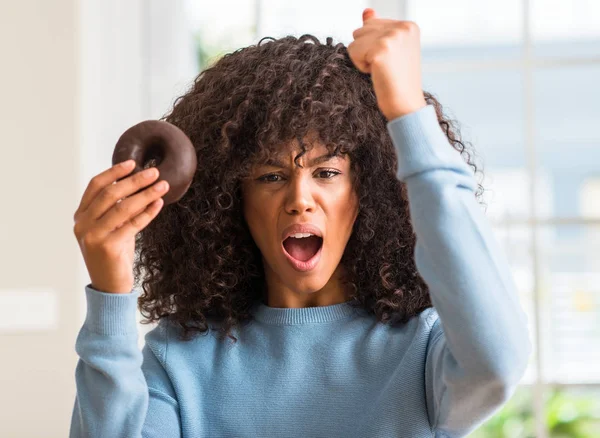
(479, 347)
(121, 391)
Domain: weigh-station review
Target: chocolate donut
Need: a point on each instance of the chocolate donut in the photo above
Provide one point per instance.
(156, 143)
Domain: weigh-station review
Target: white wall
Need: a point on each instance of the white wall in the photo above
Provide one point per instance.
(39, 174)
(75, 74)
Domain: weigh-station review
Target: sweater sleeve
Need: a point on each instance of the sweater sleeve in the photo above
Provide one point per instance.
(121, 391)
(479, 347)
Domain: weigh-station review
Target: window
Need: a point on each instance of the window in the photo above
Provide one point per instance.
(221, 27)
(521, 79)
(589, 197)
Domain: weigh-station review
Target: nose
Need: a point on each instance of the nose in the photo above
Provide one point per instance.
(300, 197)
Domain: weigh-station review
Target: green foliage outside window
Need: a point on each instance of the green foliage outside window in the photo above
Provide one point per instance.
(569, 413)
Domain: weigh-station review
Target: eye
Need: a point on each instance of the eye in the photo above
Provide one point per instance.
(265, 178)
(272, 177)
(332, 172)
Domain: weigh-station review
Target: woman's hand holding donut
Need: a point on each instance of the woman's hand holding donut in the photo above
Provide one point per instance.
(108, 219)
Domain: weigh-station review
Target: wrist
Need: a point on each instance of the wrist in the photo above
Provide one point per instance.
(405, 108)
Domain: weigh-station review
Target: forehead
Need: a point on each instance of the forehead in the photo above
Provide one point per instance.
(291, 149)
(313, 147)
(312, 157)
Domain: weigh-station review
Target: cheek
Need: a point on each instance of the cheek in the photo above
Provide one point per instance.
(347, 218)
(343, 211)
(252, 215)
(258, 216)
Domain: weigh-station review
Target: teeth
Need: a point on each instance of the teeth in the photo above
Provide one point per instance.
(301, 235)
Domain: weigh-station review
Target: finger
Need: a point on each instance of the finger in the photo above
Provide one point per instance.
(361, 31)
(97, 183)
(112, 193)
(358, 50)
(373, 25)
(129, 208)
(138, 222)
(133, 215)
(359, 63)
(369, 14)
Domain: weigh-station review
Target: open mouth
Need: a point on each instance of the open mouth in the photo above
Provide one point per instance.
(303, 248)
(304, 252)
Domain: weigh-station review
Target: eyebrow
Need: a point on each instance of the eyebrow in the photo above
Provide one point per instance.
(318, 160)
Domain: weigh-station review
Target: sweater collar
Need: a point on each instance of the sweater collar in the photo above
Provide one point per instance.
(303, 315)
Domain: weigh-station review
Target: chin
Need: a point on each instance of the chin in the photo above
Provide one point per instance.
(305, 282)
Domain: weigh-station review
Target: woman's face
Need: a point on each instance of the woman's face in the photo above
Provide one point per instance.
(278, 195)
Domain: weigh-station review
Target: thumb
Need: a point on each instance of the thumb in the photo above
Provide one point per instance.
(368, 14)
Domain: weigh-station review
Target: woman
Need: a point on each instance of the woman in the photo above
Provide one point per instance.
(345, 312)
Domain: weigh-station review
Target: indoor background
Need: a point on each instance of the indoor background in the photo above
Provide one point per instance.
(521, 78)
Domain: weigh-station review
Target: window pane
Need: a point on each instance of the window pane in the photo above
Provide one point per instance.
(221, 27)
(338, 18)
(569, 266)
(468, 29)
(568, 143)
(490, 113)
(572, 412)
(566, 28)
(514, 420)
(589, 197)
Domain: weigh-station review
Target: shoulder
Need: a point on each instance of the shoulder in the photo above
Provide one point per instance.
(426, 321)
(429, 317)
(157, 340)
(417, 330)
(167, 337)
(432, 325)
(426, 326)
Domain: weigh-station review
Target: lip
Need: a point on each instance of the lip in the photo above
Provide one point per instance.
(307, 265)
(301, 228)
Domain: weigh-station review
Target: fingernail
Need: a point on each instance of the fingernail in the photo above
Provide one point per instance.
(160, 186)
(150, 173)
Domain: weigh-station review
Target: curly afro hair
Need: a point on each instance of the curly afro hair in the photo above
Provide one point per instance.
(197, 259)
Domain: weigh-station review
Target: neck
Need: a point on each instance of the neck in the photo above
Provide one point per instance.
(282, 295)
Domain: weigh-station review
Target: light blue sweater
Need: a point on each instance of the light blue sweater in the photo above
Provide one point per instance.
(330, 371)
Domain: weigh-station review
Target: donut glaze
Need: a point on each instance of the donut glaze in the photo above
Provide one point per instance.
(160, 144)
